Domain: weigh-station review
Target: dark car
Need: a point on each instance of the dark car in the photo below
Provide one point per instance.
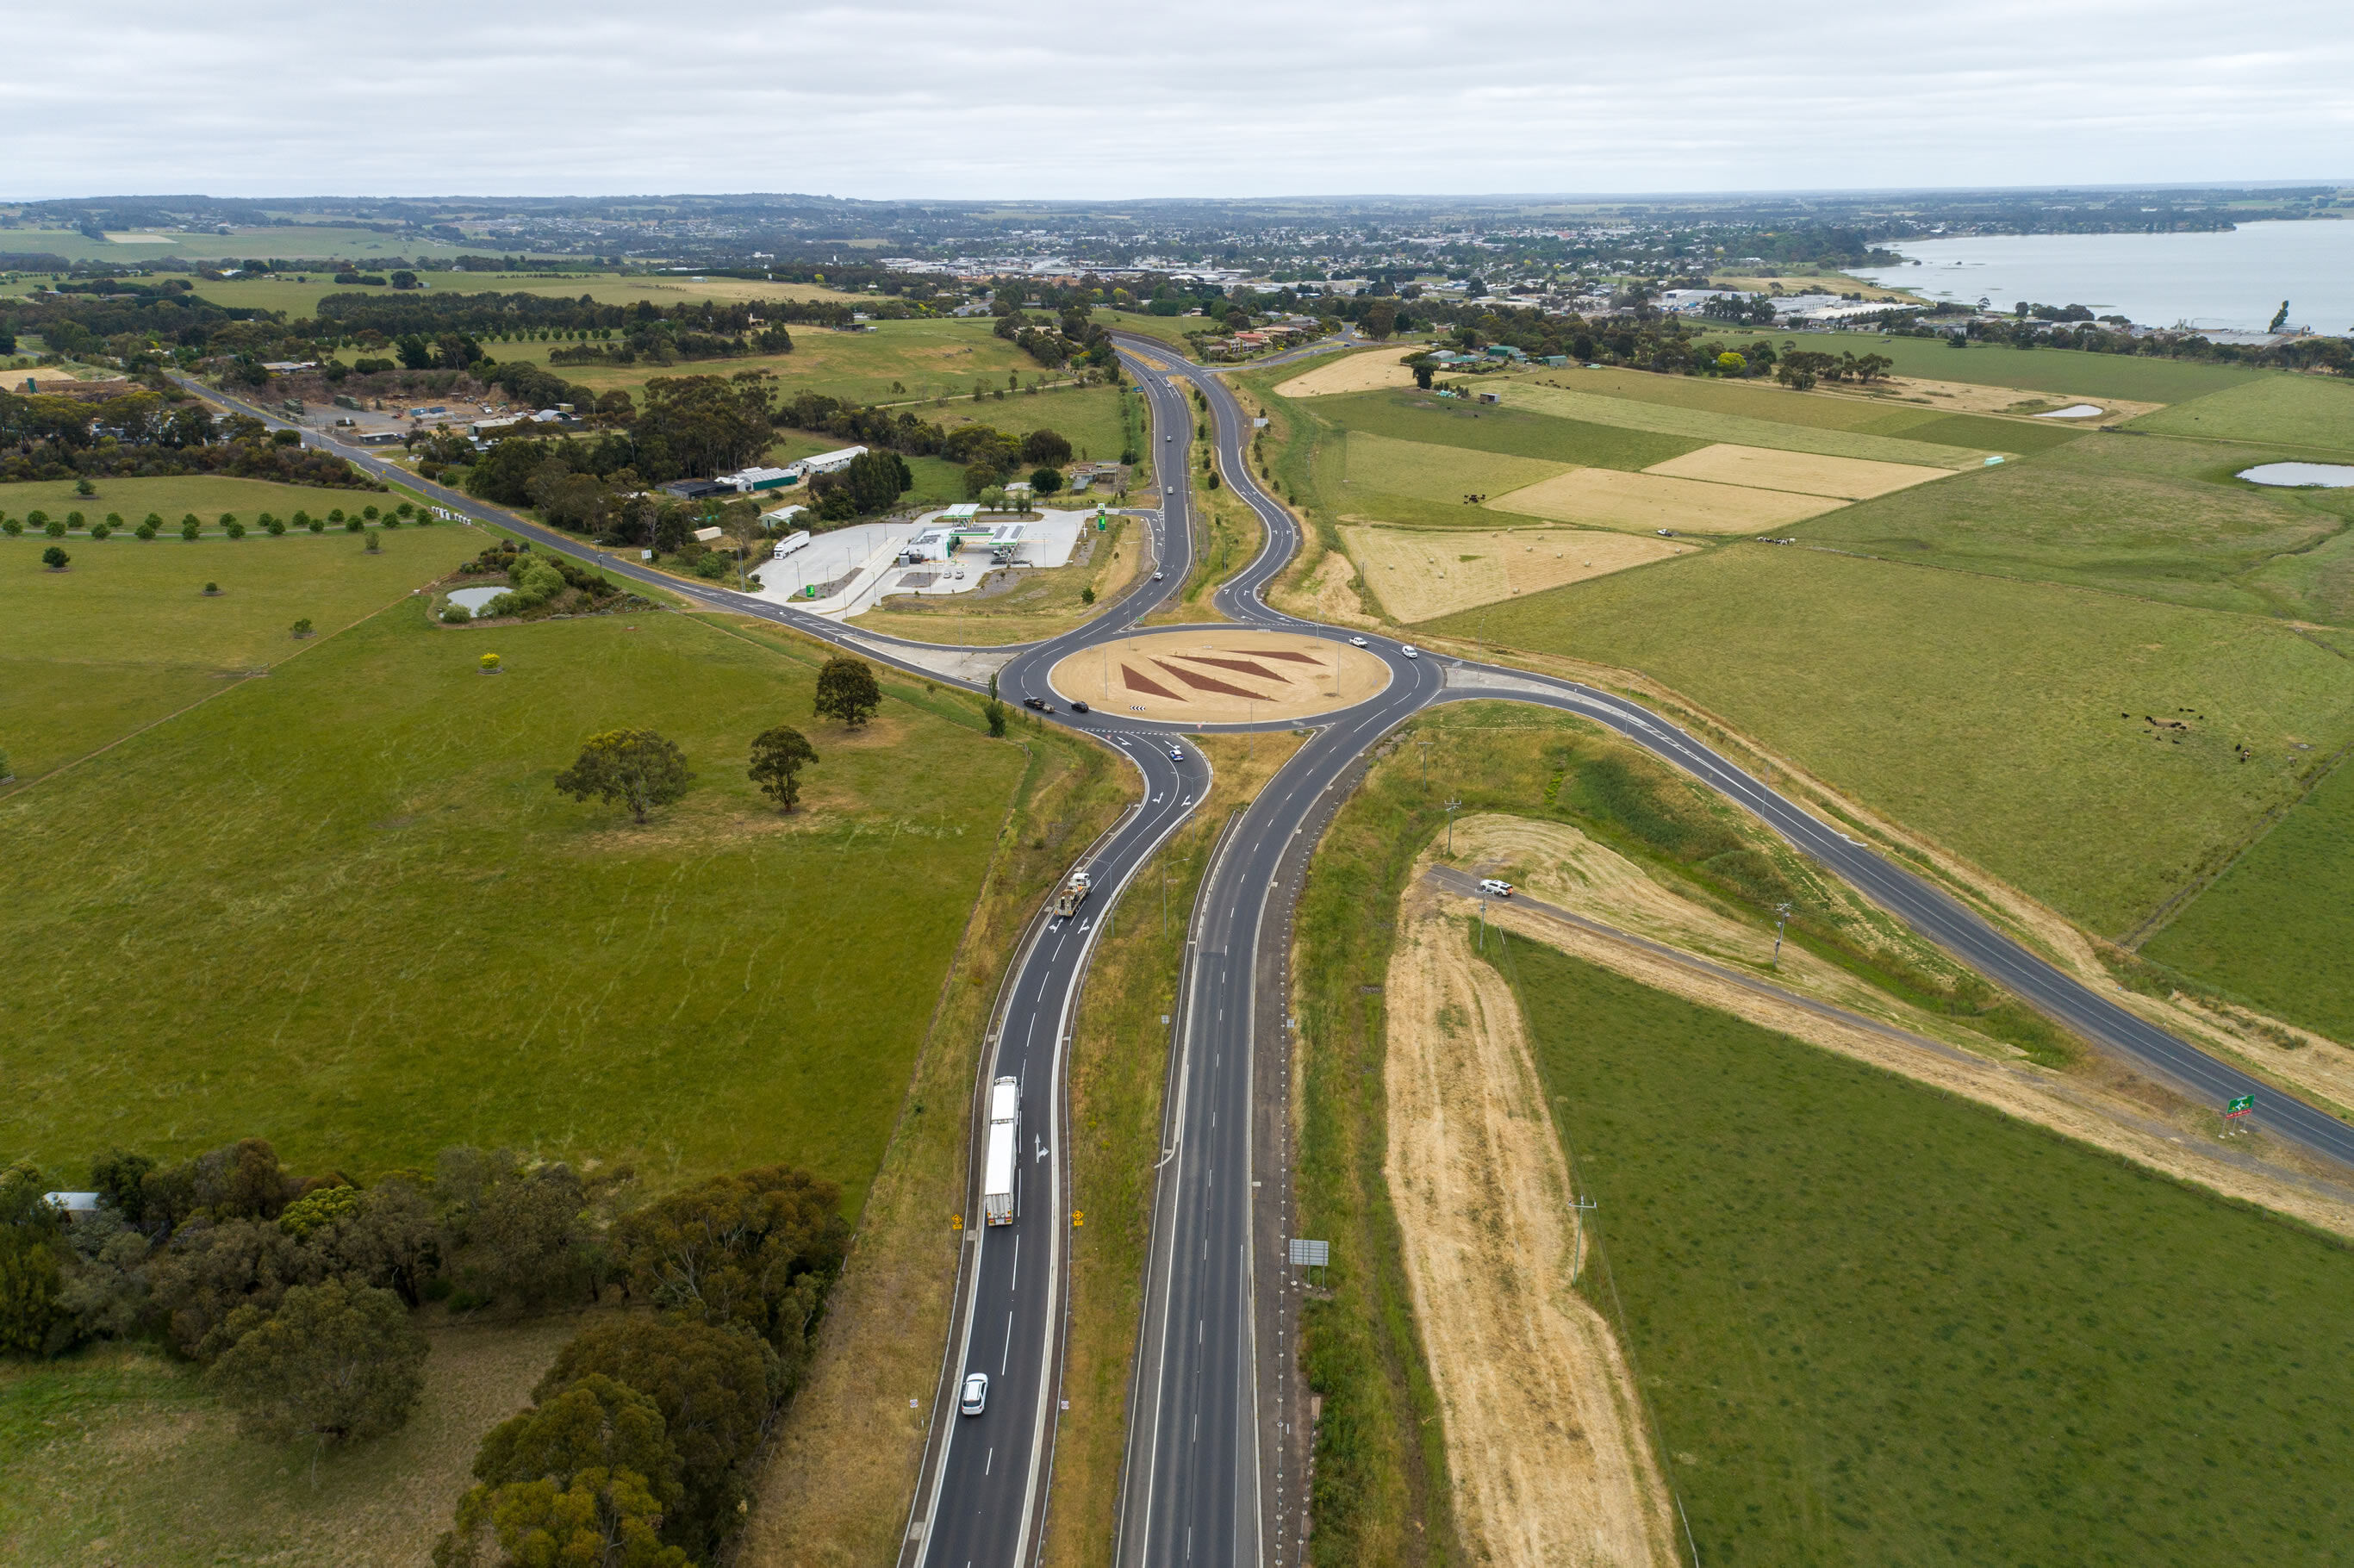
(1041, 704)
(1079, 707)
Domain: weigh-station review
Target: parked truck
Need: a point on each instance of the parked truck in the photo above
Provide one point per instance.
(1074, 894)
(999, 1200)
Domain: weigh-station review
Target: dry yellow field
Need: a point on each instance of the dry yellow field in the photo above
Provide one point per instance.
(1804, 473)
(1367, 372)
(1237, 677)
(1419, 576)
(1606, 498)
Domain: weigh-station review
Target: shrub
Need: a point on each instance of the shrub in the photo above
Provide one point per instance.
(275, 525)
(114, 519)
(318, 524)
(82, 486)
(314, 1211)
(100, 530)
(406, 509)
(55, 527)
(153, 520)
(301, 519)
(32, 1320)
(233, 529)
(145, 530)
(212, 588)
(36, 519)
(188, 526)
(351, 524)
(489, 661)
(713, 565)
(75, 520)
(336, 515)
(369, 512)
(227, 518)
(375, 545)
(302, 626)
(11, 526)
(55, 560)
(457, 614)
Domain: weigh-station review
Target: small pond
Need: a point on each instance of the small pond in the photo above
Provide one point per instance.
(2075, 411)
(475, 597)
(2309, 475)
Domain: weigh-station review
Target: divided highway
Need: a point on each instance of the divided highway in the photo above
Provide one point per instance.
(1210, 1474)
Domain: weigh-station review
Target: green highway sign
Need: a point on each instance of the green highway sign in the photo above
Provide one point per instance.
(2241, 1106)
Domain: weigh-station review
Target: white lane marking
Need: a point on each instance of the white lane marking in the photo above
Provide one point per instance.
(1013, 1281)
(1005, 1359)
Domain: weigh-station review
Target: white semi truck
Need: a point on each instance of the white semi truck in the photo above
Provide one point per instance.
(1074, 894)
(999, 1199)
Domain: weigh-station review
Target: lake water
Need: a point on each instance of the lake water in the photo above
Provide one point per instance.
(2231, 281)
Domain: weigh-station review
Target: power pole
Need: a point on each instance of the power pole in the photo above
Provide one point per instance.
(1577, 1248)
(1781, 918)
(1450, 807)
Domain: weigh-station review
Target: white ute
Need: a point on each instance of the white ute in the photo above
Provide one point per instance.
(1495, 887)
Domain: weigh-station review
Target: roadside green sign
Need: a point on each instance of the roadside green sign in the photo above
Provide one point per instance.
(2241, 1106)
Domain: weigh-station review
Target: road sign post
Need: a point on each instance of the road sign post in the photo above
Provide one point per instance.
(2243, 1106)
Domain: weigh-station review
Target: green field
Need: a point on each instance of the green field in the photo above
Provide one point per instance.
(2284, 410)
(1505, 431)
(2278, 930)
(126, 634)
(1701, 426)
(291, 242)
(894, 362)
(1983, 712)
(1428, 471)
(1880, 1325)
(2157, 517)
(342, 908)
(2131, 376)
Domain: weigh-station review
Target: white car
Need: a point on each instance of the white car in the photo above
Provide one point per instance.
(1175, 755)
(1359, 642)
(976, 1394)
(1495, 887)
(1410, 650)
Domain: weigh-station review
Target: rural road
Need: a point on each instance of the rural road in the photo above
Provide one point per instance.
(1212, 1473)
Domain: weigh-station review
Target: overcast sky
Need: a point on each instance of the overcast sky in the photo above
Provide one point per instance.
(926, 98)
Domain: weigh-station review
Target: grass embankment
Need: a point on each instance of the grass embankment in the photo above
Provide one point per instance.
(1118, 1064)
(126, 634)
(1380, 1482)
(138, 1463)
(1983, 713)
(343, 909)
(1877, 1324)
(844, 1464)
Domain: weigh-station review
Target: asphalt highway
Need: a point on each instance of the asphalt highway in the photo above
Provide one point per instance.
(1211, 1417)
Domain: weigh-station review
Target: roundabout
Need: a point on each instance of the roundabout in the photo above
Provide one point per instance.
(1220, 676)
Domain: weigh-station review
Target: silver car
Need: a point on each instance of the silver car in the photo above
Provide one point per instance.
(976, 1394)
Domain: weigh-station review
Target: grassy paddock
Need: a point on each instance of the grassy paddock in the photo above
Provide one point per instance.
(1563, 397)
(126, 634)
(200, 1494)
(2278, 930)
(2286, 411)
(1982, 712)
(2063, 370)
(2159, 517)
(343, 909)
(1879, 1324)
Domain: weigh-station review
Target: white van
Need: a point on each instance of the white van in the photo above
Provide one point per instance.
(1410, 650)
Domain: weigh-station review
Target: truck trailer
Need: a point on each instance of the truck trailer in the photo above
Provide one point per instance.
(1074, 894)
(999, 1200)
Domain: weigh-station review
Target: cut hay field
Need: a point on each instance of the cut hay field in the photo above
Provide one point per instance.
(1606, 498)
(1849, 479)
(2159, 518)
(1707, 425)
(126, 635)
(2276, 931)
(2311, 411)
(1418, 576)
(1980, 710)
(1877, 1324)
(343, 909)
(1368, 372)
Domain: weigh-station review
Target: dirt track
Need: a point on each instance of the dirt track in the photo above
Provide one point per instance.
(1545, 1443)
